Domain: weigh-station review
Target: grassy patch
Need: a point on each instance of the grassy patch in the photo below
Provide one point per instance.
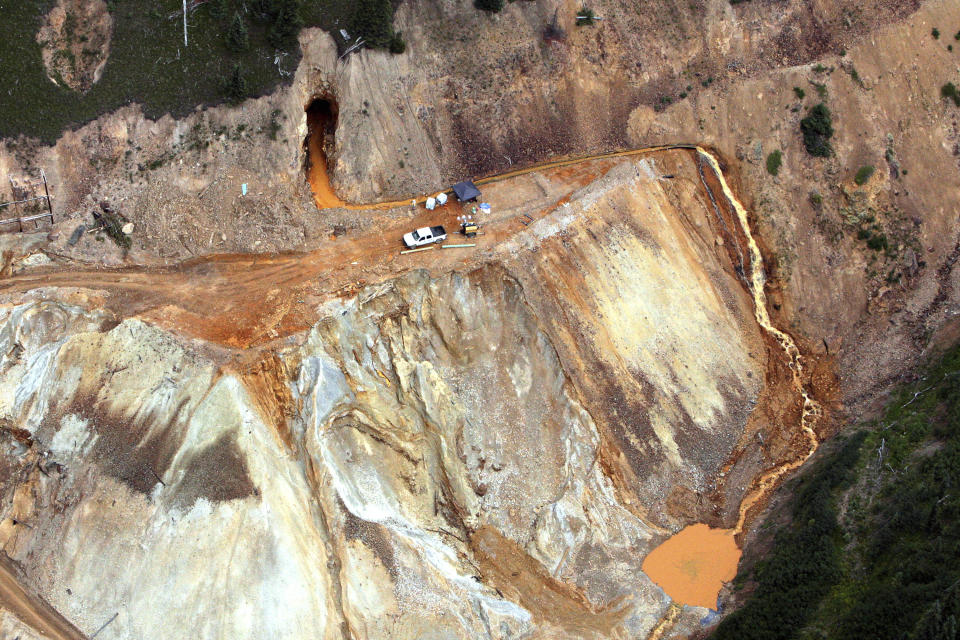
(821, 89)
(800, 93)
(148, 63)
(774, 160)
(855, 75)
(864, 174)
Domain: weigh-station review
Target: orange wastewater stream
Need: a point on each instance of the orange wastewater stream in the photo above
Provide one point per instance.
(692, 565)
(323, 194)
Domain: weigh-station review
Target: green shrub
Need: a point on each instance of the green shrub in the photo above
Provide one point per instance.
(864, 174)
(800, 93)
(950, 92)
(238, 36)
(878, 242)
(397, 44)
(585, 16)
(774, 160)
(817, 129)
(956, 36)
(935, 33)
(112, 225)
(493, 6)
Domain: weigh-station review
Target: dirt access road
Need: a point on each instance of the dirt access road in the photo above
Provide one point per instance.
(242, 301)
(247, 300)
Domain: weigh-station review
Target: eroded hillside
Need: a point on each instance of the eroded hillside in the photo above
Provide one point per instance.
(484, 452)
(259, 415)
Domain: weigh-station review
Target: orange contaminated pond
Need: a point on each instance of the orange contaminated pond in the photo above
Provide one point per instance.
(692, 565)
(320, 122)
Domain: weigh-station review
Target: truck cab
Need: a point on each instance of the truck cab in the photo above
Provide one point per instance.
(424, 236)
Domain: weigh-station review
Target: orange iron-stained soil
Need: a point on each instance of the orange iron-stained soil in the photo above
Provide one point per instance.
(319, 119)
(692, 565)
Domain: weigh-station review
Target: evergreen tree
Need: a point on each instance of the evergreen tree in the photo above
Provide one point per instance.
(237, 85)
(817, 129)
(267, 8)
(286, 24)
(373, 21)
(397, 44)
(492, 6)
(238, 38)
(218, 8)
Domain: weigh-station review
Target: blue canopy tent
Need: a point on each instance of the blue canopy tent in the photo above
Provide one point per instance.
(466, 191)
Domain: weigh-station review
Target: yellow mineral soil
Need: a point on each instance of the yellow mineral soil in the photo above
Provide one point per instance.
(692, 566)
(323, 194)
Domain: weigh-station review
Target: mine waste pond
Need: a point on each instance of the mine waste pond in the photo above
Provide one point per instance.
(692, 566)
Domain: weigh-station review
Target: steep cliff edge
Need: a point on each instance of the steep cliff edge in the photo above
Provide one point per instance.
(480, 453)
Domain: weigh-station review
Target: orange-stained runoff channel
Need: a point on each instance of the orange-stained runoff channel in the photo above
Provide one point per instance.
(692, 566)
(317, 119)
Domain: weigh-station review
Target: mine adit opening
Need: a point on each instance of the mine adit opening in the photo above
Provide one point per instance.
(321, 129)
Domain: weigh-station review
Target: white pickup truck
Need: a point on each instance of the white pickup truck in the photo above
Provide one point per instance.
(424, 236)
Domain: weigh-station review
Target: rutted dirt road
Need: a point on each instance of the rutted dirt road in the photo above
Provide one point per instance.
(228, 290)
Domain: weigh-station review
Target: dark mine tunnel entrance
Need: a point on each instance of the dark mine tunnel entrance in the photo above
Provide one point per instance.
(321, 128)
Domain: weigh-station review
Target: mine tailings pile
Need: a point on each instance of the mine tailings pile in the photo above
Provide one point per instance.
(692, 565)
(321, 126)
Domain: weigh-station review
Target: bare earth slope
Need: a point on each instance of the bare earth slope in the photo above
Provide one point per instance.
(380, 471)
(216, 434)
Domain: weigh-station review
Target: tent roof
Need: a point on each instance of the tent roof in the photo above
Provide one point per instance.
(466, 190)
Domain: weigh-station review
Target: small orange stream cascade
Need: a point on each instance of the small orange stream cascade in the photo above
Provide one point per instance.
(692, 565)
